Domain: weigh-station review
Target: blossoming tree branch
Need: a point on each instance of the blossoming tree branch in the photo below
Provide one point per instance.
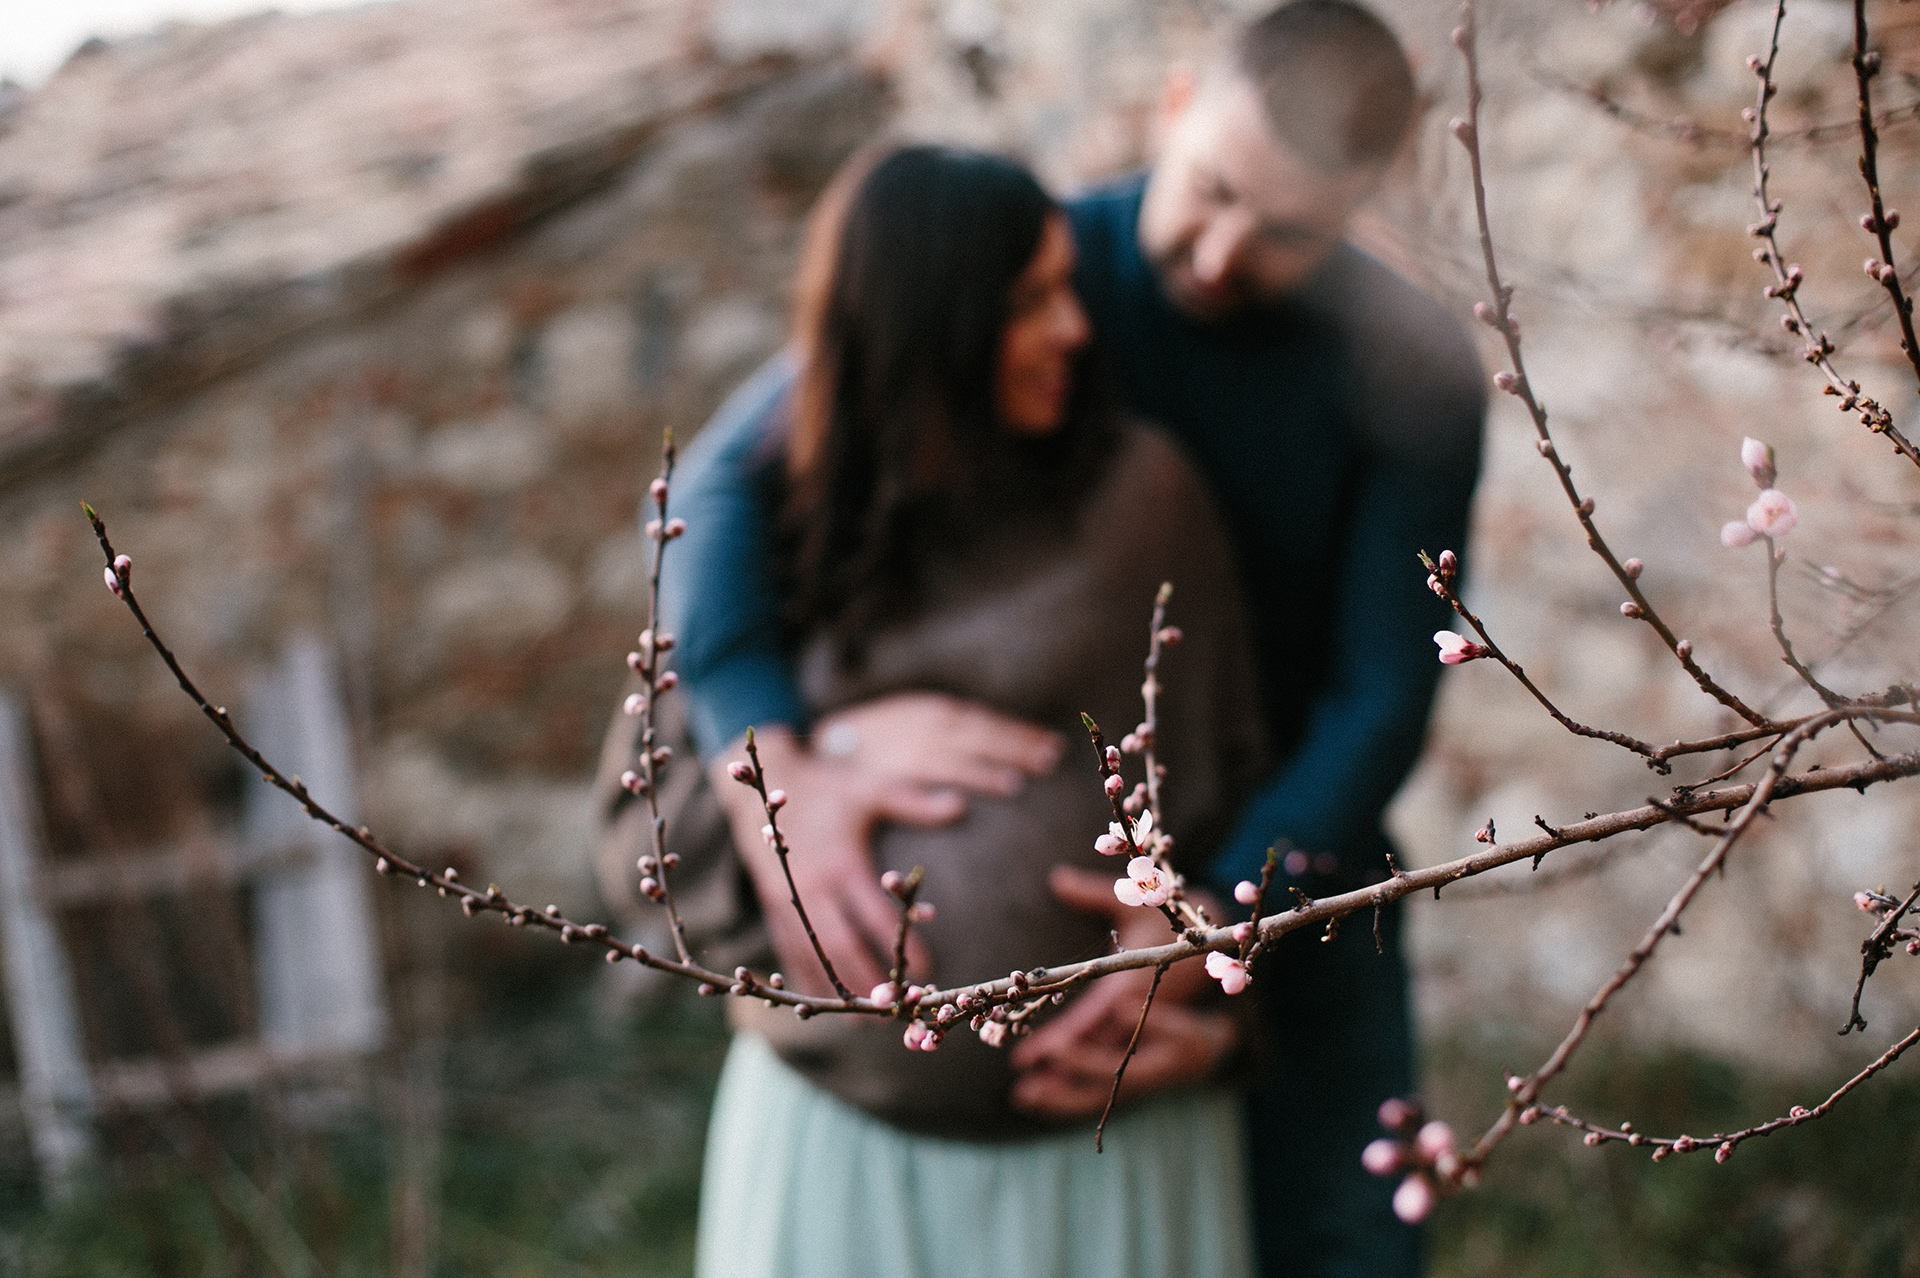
(1425, 1155)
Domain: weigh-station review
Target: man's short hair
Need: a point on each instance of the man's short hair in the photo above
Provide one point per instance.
(1335, 83)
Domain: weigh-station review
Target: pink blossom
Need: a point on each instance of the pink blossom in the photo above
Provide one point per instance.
(885, 992)
(921, 912)
(740, 772)
(1772, 514)
(1455, 649)
(658, 491)
(1735, 533)
(1382, 1157)
(1414, 1200)
(920, 1037)
(1114, 785)
(1435, 1141)
(1758, 459)
(1146, 884)
(1244, 891)
(776, 799)
(630, 781)
(113, 582)
(1395, 1113)
(1110, 844)
(1866, 902)
(635, 704)
(1242, 932)
(1229, 971)
(993, 1033)
(122, 566)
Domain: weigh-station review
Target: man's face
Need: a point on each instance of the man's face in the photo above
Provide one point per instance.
(1232, 217)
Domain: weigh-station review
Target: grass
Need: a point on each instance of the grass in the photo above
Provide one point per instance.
(569, 1145)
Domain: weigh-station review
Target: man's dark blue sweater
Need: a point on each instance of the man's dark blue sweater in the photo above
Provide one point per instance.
(1339, 430)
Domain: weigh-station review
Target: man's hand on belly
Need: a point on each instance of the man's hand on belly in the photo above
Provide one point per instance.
(1066, 1066)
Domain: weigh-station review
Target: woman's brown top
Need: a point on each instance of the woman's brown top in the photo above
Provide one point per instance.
(1041, 627)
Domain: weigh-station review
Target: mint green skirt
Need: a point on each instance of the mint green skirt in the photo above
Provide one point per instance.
(799, 1184)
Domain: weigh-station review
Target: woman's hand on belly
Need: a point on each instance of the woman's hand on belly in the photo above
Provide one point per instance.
(937, 742)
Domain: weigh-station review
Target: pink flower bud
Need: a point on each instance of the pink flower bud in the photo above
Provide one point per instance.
(635, 662)
(1395, 1113)
(1294, 863)
(1114, 784)
(1461, 129)
(667, 681)
(1485, 314)
(122, 566)
(1242, 933)
(650, 888)
(776, 799)
(1632, 568)
(663, 641)
(662, 754)
(1684, 647)
(1799, 1111)
(892, 881)
(671, 860)
(768, 835)
(1772, 514)
(1413, 1201)
(1871, 266)
(1757, 457)
(1631, 609)
(1435, 1141)
(631, 781)
(648, 865)
(653, 530)
(1592, 1140)
(1893, 215)
(921, 1037)
(1109, 845)
(1544, 447)
(1505, 381)
(1170, 636)
(1455, 648)
(1736, 533)
(1448, 563)
(740, 772)
(1130, 744)
(674, 528)
(921, 912)
(1866, 222)
(1245, 891)
(634, 704)
(1229, 971)
(113, 582)
(1753, 63)
(993, 1033)
(884, 992)
(1515, 1083)
(658, 491)
(1381, 1157)
(1112, 757)
(1723, 1153)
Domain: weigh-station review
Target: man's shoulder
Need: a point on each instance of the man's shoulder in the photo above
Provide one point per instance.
(1416, 363)
(1104, 215)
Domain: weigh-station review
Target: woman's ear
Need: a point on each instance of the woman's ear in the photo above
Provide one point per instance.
(1177, 92)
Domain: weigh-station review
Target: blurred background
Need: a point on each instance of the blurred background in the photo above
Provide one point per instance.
(361, 325)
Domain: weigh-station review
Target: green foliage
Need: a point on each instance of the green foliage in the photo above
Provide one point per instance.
(565, 1147)
(1837, 1197)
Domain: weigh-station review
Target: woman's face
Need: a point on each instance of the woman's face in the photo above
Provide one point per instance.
(1045, 330)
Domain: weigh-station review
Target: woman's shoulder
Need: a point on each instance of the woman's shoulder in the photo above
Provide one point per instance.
(1151, 473)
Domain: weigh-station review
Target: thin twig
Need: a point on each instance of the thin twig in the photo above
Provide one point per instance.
(1498, 314)
(1722, 1143)
(1879, 220)
(1133, 1044)
(1817, 348)
(1873, 951)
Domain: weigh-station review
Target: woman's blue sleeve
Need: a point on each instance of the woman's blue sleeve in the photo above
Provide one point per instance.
(716, 596)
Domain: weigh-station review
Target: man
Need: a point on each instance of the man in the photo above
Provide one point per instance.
(1335, 412)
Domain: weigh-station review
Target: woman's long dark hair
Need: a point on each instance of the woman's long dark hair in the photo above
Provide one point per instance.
(895, 443)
